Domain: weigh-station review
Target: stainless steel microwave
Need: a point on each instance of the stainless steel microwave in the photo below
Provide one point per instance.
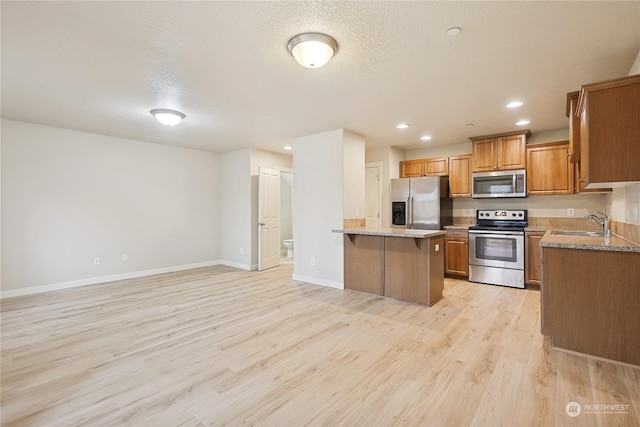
(499, 184)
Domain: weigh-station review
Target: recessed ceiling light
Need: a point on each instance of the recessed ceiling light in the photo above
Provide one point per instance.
(287, 147)
(514, 104)
(402, 125)
(523, 122)
(425, 138)
(453, 31)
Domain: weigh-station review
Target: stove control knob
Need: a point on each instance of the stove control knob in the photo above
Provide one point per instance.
(520, 214)
(513, 214)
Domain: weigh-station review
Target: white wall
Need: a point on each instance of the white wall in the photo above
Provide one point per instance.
(318, 208)
(439, 151)
(235, 208)
(353, 159)
(71, 196)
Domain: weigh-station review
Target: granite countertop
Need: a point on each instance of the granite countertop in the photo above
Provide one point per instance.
(536, 228)
(393, 232)
(601, 243)
(457, 227)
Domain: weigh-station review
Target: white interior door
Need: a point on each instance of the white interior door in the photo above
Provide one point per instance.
(268, 218)
(373, 187)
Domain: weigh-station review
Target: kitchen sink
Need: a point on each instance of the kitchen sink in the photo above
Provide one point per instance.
(577, 233)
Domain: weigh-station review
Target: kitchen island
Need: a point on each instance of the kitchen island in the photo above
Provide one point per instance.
(396, 263)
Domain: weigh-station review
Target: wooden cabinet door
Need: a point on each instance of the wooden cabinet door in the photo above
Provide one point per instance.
(484, 155)
(460, 176)
(412, 168)
(610, 131)
(511, 152)
(533, 258)
(457, 257)
(437, 166)
(549, 170)
(574, 127)
(580, 183)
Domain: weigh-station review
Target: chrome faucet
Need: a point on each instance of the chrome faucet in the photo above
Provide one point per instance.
(606, 228)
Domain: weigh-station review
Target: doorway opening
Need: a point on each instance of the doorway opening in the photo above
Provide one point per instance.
(287, 244)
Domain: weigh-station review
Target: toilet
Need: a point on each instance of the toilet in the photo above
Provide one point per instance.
(288, 243)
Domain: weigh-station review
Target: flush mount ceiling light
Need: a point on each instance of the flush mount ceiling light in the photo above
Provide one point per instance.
(425, 138)
(514, 104)
(453, 31)
(167, 117)
(287, 147)
(523, 122)
(402, 126)
(312, 50)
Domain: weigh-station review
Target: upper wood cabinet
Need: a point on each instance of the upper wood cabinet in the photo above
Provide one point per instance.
(574, 127)
(437, 166)
(505, 151)
(412, 168)
(460, 176)
(549, 170)
(610, 132)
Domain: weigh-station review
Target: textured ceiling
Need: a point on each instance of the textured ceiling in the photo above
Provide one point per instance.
(101, 66)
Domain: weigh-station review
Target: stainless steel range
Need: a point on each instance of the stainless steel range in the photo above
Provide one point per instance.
(496, 247)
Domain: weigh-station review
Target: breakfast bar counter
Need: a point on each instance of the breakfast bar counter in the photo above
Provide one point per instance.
(396, 263)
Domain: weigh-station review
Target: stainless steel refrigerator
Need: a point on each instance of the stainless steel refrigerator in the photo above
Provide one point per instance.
(422, 203)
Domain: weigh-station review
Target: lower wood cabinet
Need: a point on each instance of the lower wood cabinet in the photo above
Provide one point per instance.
(590, 302)
(533, 258)
(457, 252)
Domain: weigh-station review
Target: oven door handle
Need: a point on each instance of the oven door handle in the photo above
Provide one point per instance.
(493, 232)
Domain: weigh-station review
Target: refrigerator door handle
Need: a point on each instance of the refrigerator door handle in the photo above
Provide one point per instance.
(410, 212)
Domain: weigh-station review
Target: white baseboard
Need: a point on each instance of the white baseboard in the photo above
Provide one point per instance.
(238, 265)
(110, 278)
(317, 281)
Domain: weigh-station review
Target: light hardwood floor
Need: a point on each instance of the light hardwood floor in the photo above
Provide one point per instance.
(220, 346)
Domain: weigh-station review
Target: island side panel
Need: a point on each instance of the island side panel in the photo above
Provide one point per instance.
(409, 270)
(436, 269)
(364, 263)
(590, 302)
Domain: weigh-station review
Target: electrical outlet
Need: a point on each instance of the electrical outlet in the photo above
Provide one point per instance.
(241, 251)
(313, 261)
(357, 213)
(96, 260)
(125, 258)
(472, 212)
(571, 212)
(437, 247)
